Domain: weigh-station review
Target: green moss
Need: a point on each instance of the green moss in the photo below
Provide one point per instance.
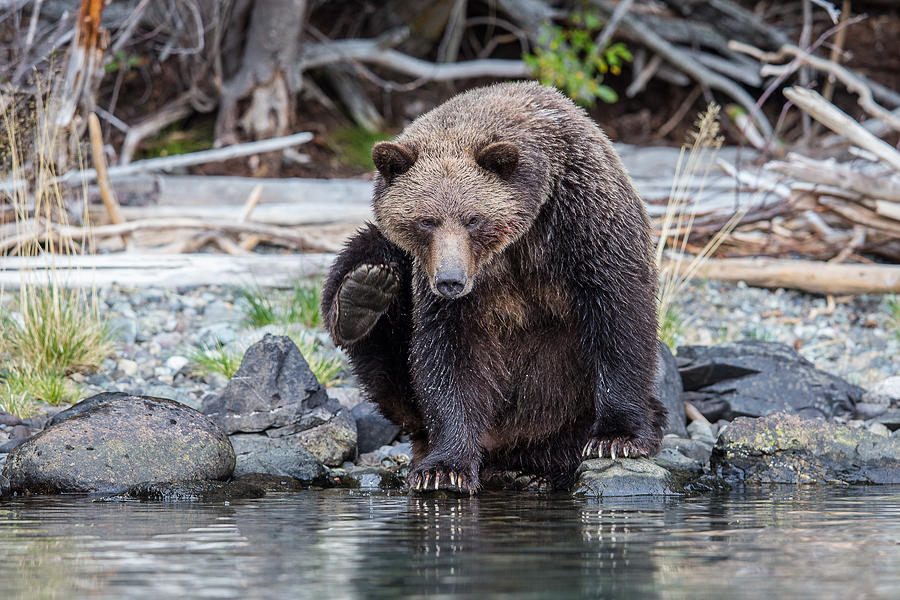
(179, 138)
(353, 146)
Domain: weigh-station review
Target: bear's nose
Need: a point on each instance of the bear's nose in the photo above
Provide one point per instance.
(450, 284)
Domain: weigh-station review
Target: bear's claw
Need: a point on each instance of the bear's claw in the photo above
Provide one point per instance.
(364, 295)
(627, 447)
(435, 479)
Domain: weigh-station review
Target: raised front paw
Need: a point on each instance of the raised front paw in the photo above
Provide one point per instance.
(364, 295)
(620, 446)
(423, 479)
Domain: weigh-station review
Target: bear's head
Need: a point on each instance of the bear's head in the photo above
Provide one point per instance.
(452, 207)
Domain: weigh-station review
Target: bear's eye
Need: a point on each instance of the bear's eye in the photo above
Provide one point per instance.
(473, 222)
(427, 224)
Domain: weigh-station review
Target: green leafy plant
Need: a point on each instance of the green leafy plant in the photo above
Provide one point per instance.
(570, 59)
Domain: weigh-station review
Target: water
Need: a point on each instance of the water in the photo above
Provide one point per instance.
(768, 543)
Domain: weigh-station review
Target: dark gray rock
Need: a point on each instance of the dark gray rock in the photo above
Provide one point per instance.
(698, 450)
(328, 431)
(190, 491)
(754, 378)
(272, 483)
(20, 432)
(11, 445)
(118, 441)
(373, 430)
(4, 486)
(603, 477)
(676, 462)
(698, 430)
(272, 388)
(889, 418)
(8, 419)
(284, 457)
(785, 448)
(867, 410)
(372, 479)
(669, 387)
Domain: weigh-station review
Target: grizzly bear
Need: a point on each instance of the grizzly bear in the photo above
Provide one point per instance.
(502, 308)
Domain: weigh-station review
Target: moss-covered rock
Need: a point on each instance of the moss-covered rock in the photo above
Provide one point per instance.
(603, 477)
(784, 448)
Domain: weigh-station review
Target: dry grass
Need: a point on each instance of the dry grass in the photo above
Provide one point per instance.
(677, 267)
(47, 330)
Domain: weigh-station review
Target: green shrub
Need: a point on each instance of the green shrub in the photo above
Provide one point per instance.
(570, 60)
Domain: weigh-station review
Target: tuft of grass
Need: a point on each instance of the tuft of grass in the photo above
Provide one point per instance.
(227, 360)
(302, 307)
(257, 307)
(59, 330)
(353, 146)
(671, 329)
(306, 298)
(893, 305)
(677, 267)
(48, 331)
(327, 369)
(219, 359)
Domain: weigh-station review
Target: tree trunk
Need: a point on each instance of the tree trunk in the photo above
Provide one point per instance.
(265, 75)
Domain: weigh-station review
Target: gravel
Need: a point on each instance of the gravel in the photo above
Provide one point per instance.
(157, 329)
(854, 341)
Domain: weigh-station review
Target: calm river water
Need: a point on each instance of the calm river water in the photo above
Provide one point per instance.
(766, 543)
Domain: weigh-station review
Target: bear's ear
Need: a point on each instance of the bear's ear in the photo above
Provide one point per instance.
(392, 159)
(500, 158)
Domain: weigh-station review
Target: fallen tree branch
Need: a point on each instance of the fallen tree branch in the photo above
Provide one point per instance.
(852, 82)
(275, 234)
(372, 51)
(168, 163)
(840, 122)
(806, 275)
(830, 172)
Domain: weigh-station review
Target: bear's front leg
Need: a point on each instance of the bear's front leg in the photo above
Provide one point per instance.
(619, 338)
(448, 360)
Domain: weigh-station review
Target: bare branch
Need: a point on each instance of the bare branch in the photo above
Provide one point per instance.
(371, 51)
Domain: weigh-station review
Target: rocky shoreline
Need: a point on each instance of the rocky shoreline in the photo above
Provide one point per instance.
(766, 413)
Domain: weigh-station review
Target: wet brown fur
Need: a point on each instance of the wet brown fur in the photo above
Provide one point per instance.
(553, 341)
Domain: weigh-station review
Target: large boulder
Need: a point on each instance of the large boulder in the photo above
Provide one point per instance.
(669, 388)
(275, 394)
(752, 378)
(602, 477)
(786, 448)
(273, 388)
(115, 441)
